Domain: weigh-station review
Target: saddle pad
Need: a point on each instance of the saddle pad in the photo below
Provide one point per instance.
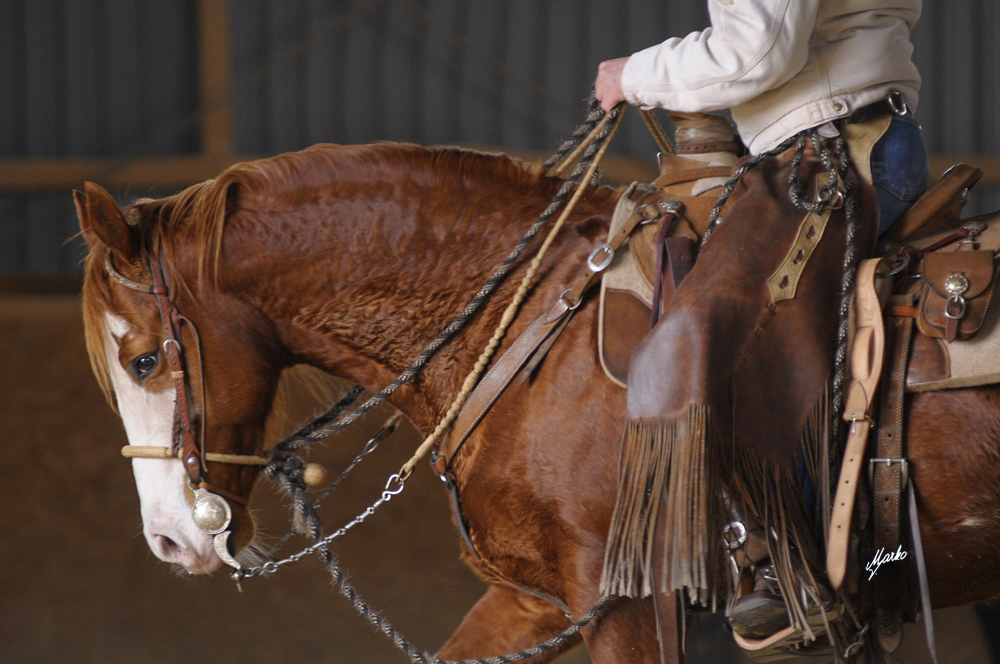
(626, 301)
(937, 365)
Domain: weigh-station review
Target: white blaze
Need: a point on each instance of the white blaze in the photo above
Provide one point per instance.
(148, 417)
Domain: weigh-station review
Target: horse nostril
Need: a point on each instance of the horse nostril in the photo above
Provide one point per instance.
(170, 549)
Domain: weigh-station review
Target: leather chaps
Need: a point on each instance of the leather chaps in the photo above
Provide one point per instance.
(729, 396)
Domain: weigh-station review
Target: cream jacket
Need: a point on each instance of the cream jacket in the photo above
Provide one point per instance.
(782, 66)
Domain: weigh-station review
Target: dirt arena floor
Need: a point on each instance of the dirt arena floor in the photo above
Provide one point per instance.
(79, 584)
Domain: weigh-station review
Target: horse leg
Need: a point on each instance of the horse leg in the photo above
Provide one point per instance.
(625, 631)
(504, 621)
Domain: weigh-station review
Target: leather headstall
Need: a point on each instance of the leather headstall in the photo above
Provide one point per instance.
(185, 445)
(183, 438)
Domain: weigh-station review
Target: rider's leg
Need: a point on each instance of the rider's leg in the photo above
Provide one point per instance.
(899, 172)
(899, 169)
(732, 388)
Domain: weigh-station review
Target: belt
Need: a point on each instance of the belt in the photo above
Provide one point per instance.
(895, 103)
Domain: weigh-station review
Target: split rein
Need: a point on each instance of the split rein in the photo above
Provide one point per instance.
(213, 514)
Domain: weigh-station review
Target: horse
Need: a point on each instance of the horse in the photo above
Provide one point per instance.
(350, 259)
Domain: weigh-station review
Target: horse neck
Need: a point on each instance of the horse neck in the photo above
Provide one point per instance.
(361, 292)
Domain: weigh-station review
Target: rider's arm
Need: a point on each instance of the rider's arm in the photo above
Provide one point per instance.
(752, 46)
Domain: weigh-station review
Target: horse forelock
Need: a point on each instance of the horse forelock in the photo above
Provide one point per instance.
(97, 301)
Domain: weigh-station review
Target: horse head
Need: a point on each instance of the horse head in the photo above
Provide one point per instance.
(129, 351)
(349, 259)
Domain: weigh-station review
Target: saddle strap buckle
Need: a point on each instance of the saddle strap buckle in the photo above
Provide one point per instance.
(606, 254)
(897, 102)
(888, 462)
(954, 307)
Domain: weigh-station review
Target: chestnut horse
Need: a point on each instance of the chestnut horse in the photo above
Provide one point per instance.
(351, 259)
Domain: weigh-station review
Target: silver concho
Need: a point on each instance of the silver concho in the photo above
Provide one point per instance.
(956, 284)
(211, 512)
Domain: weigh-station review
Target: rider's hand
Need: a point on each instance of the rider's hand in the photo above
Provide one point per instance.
(608, 86)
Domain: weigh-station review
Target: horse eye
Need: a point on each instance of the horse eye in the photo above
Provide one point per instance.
(143, 365)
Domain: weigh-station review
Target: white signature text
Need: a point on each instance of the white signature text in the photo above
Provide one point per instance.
(881, 557)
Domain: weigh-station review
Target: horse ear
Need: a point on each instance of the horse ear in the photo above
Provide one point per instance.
(102, 221)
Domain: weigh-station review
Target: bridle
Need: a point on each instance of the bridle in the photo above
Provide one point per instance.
(589, 147)
(210, 509)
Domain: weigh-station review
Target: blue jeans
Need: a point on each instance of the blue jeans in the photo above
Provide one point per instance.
(899, 169)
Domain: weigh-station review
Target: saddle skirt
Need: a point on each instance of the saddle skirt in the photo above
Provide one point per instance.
(695, 178)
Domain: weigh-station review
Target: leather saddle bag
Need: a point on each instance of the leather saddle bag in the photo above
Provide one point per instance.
(958, 287)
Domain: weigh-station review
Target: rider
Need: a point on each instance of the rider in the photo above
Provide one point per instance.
(782, 67)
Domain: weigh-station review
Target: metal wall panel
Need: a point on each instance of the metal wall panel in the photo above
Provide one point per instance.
(118, 77)
(431, 71)
(88, 78)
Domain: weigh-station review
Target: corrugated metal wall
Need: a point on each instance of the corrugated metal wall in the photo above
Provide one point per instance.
(118, 77)
(87, 78)
(501, 73)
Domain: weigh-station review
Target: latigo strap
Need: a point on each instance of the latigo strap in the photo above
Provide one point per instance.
(866, 367)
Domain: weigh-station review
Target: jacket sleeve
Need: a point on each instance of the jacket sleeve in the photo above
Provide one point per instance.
(752, 46)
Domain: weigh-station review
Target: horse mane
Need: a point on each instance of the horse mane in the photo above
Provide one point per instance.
(197, 215)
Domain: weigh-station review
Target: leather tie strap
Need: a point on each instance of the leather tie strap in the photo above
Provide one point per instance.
(660, 290)
(673, 254)
(920, 564)
(866, 367)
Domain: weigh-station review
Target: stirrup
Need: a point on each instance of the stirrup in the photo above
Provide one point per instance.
(790, 642)
(761, 613)
(761, 624)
